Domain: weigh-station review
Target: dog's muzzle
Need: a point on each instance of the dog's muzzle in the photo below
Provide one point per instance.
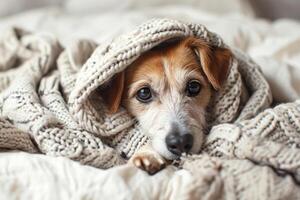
(179, 143)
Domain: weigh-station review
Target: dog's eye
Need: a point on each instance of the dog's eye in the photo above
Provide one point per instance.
(193, 88)
(144, 95)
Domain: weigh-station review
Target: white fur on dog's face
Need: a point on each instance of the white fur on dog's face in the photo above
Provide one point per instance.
(167, 72)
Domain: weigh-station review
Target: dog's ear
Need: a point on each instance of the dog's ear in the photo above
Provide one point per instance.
(214, 61)
(112, 93)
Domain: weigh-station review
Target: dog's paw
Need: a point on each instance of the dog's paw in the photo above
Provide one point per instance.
(148, 161)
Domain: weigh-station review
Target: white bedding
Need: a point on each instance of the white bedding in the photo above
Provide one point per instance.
(275, 46)
(36, 177)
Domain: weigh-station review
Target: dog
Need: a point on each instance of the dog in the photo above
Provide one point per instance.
(167, 89)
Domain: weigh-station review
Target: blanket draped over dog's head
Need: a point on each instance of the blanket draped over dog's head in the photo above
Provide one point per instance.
(50, 102)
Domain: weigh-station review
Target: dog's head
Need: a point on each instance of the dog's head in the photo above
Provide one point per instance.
(168, 88)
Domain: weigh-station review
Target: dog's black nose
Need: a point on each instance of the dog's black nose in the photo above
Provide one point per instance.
(178, 144)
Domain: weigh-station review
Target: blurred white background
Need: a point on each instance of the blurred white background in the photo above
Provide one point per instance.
(94, 6)
(271, 9)
(267, 30)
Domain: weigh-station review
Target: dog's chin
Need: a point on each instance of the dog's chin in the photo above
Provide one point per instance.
(166, 154)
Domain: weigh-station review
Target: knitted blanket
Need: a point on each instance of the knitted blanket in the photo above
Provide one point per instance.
(50, 103)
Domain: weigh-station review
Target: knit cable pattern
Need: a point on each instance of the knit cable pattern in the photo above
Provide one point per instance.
(50, 103)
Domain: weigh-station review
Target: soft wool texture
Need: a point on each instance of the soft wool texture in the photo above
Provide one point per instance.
(50, 102)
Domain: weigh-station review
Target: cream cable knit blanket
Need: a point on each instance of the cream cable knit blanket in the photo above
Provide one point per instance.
(50, 103)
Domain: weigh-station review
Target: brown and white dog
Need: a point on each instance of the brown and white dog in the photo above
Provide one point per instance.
(167, 90)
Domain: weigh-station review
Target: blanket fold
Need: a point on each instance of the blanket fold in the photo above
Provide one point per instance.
(50, 103)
